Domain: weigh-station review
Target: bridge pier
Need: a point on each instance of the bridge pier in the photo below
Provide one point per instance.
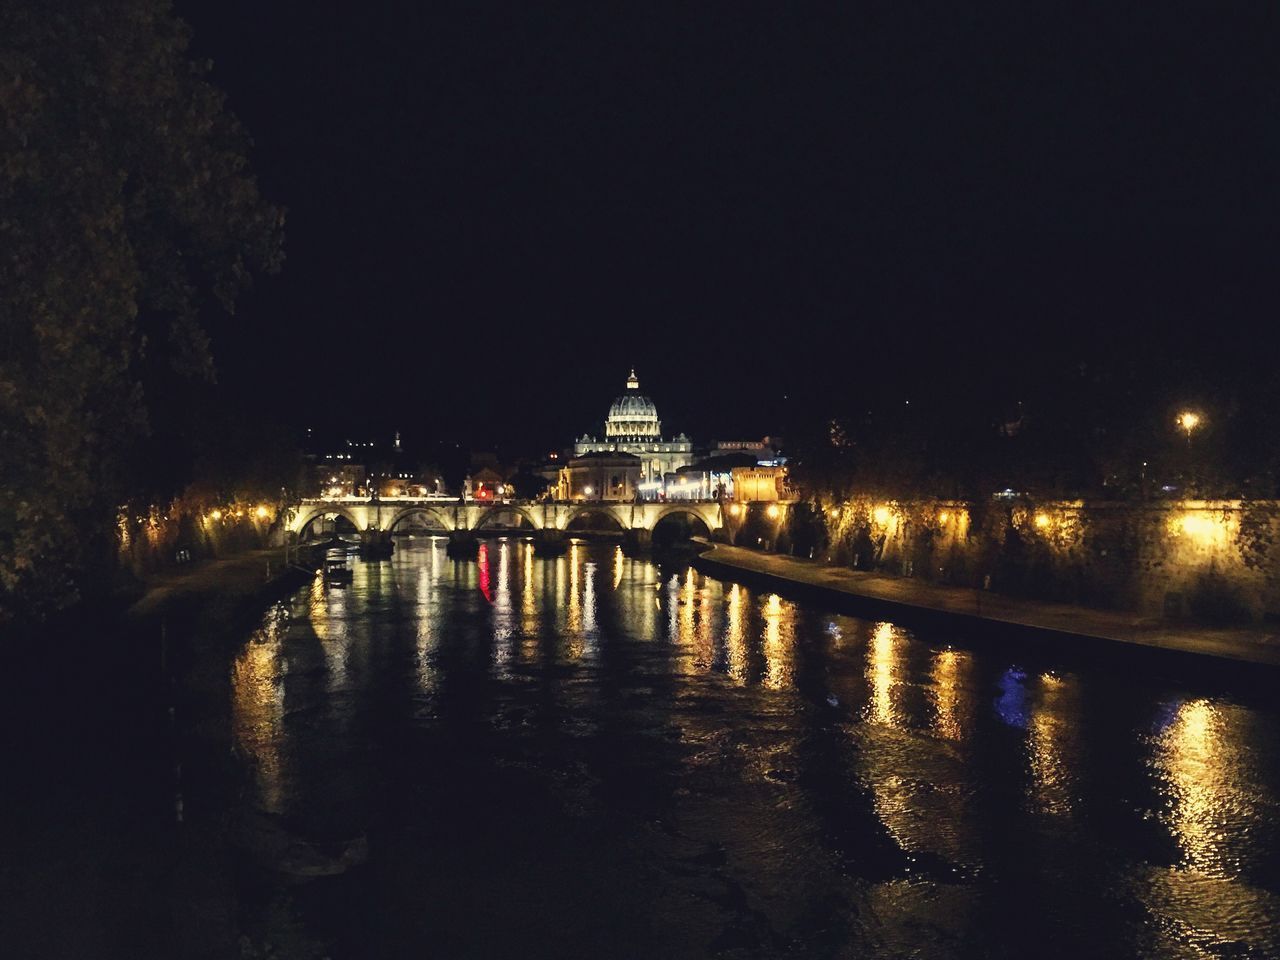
(637, 541)
(463, 545)
(376, 545)
(550, 542)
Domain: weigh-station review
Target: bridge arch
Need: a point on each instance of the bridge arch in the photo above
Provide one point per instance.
(499, 508)
(706, 514)
(310, 515)
(435, 513)
(595, 509)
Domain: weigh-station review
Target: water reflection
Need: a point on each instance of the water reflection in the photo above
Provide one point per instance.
(871, 781)
(882, 669)
(1206, 799)
(1216, 803)
(257, 709)
(1051, 733)
(779, 642)
(735, 634)
(949, 676)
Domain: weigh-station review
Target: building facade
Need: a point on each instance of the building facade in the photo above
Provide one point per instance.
(760, 483)
(632, 427)
(600, 475)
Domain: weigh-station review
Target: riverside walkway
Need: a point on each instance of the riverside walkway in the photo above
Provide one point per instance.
(877, 592)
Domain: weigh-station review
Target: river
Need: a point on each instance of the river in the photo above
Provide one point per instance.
(596, 756)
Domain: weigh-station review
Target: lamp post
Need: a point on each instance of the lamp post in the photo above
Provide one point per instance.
(1188, 420)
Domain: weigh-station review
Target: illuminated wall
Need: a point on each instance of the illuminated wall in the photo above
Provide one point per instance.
(1195, 558)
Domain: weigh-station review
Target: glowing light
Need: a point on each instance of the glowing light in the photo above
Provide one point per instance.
(1204, 528)
(587, 490)
(1042, 520)
(944, 516)
(1188, 420)
(778, 648)
(881, 670)
(216, 514)
(261, 513)
(881, 515)
(945, 693)
(772, 511)
(734, 509)
(1203, 772)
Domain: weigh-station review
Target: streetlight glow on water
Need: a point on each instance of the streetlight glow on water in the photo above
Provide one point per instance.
(588, 721)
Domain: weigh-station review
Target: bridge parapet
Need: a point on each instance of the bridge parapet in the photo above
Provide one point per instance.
(456, 514)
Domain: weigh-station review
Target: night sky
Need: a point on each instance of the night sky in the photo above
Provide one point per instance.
(771, 214)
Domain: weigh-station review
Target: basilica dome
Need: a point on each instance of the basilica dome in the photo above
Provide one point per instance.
(633, 415)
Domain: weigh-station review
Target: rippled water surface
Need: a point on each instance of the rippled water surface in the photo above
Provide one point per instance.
(592, 756)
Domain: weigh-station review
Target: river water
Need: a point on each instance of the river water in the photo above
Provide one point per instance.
(594, 756)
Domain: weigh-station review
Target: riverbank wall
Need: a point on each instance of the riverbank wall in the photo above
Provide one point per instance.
(1211, 562)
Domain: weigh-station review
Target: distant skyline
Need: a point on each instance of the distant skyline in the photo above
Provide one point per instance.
(495, 212)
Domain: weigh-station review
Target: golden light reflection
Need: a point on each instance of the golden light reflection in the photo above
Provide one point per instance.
(618, 561)
(705, 641)
(529, 612)
(778, 642)
(573, 614)
(327, 613)
(688, 595)
(1198, 766)
(882, 654)
(735, 635)
(427, 640)
(949, 667)
(673, 609)
(257, 711)
(1051, 742)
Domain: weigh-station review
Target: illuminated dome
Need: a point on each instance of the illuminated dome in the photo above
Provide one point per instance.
(633, 416)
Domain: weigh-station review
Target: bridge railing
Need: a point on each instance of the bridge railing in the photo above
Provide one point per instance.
(440, 500)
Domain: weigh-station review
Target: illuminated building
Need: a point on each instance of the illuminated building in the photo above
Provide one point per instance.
(633, 428)
(600, 475)
(760, 483)
(709, 478)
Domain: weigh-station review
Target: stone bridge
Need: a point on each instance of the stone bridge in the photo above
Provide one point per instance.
(476, 516)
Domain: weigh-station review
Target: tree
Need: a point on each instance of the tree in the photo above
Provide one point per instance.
(127, 211)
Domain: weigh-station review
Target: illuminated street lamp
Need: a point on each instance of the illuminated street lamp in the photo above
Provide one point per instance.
(1188, 420)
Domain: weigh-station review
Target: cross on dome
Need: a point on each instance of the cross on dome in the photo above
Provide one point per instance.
(632, 382)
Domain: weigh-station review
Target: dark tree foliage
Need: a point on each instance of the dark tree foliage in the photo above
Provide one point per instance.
(127, 210)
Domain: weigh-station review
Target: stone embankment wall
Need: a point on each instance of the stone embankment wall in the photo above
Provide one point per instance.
(1206, 560)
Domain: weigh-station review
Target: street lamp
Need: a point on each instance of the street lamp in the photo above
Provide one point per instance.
(1188, 420)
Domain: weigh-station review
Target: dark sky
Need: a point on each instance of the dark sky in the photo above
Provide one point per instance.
(495, 211)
